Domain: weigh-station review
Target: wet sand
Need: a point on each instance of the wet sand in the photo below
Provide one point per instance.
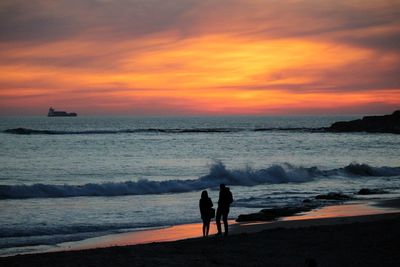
(368, 240)
(334, 213)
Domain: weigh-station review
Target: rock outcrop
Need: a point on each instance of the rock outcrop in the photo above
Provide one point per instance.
(367, 191)
(273, 213)
(333, 196)
(371, 124)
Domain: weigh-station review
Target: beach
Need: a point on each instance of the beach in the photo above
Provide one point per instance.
(362, 240)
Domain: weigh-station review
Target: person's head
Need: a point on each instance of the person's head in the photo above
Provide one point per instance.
(221, 187)
(204, 194)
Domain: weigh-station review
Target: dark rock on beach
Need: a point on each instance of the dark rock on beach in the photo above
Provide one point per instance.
(371, 124)
(254, 217)
(308, 204)
(274, 213)
(367, 191)
(333, 196)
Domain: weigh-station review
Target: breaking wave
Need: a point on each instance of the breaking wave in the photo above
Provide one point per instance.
(218, 174)
(27, 131)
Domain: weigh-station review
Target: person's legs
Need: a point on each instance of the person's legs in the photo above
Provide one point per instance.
(225, 220)
(218, 221)
(204, 228)
(208, 227)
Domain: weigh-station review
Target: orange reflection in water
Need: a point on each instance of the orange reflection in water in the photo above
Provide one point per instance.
(142, 237)
(346, 210)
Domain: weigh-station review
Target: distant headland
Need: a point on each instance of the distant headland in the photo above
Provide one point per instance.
(53, 113)
(372, 124)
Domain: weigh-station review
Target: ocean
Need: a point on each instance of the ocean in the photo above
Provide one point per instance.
(69, 179)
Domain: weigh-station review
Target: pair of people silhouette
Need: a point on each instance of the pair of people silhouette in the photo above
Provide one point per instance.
(206, 210)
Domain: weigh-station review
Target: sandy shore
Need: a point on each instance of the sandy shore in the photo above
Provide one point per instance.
(371, 241)
(368, 240)
(336, 215)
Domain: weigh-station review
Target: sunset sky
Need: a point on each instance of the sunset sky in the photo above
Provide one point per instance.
(199, 57)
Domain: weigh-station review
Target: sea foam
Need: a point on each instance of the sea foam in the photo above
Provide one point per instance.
(218, 174)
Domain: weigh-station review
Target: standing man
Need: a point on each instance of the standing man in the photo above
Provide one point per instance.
(225, 200)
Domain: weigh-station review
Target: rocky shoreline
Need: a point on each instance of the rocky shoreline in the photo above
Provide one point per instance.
(318, 201)
(371, 124)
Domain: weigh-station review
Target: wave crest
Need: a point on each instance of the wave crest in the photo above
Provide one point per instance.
(218, 174)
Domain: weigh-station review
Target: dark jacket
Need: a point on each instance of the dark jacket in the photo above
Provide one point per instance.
(205, 205)
(225, 198)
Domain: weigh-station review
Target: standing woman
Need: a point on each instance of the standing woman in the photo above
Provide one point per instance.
(205, 204)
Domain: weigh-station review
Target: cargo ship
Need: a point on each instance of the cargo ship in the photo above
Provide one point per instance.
(53, 113)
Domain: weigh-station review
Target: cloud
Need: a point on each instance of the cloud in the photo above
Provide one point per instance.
(198, 56)
(44, 20)
(370, 74)
(24, 21)
(385, 41)
(125, 19)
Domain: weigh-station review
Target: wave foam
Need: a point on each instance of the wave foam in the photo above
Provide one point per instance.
(218, 174)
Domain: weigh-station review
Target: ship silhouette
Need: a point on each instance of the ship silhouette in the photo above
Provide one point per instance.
(53, 113)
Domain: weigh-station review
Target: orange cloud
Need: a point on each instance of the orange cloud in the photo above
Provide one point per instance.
(236, 59)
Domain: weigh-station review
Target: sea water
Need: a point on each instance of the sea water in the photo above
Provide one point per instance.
(68, 179)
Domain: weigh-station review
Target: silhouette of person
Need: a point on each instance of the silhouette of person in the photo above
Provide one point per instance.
(205, 205)
(225, 200)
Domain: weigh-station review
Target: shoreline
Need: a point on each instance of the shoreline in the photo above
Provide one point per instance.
(331, 214)
(367, 240)
(348, 212)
